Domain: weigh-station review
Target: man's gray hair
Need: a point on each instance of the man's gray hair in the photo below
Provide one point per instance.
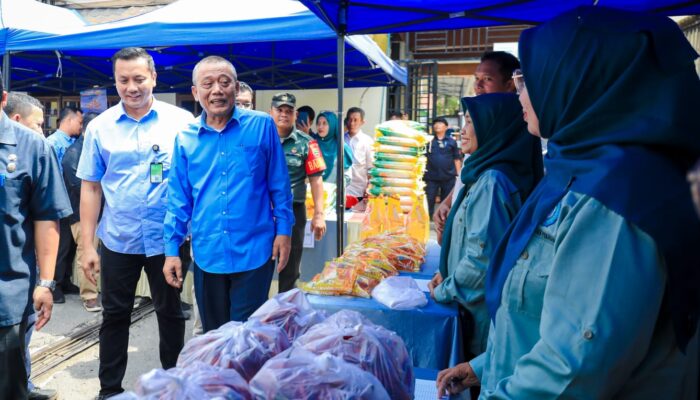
(212, 60)
(22, 104)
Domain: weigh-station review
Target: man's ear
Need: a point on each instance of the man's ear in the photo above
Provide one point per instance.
(194, 93)
(510, 85)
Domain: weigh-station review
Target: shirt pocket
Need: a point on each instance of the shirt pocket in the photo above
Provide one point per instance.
(294, 160)
(251, 158)
(11, 194)
(528, 279)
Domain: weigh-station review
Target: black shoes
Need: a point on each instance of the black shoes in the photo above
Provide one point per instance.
(70, 288)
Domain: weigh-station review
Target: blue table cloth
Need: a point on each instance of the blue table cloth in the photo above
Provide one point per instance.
(432, 333)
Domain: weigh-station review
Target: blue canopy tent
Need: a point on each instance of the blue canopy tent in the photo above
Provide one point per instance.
(19, 22)
(276, 44)
(351, 17)
(273, 43)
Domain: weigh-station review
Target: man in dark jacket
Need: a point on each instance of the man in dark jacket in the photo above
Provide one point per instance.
(88, 290)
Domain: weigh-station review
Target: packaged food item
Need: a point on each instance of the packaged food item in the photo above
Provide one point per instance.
(385, 148)
(396, 182)
(336, 279)
(244, 347)
(384, 214)
(401, 141)
(406, 166)
(350, 336)
(291, 312)
(300, 374)
(392, 173)
(403, 158)
(197, 381)
(407, 129)
(418, 220)
(392, 190)
(400, 293)
(403, 251)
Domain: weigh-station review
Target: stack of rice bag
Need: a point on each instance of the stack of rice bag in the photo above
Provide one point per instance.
(366, 263)
(399, 162)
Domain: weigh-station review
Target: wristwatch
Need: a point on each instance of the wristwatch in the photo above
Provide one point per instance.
(51, 285)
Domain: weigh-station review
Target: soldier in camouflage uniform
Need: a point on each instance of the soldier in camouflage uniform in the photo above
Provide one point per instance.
(304, 160)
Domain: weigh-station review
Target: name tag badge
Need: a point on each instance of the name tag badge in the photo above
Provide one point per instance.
(156, 172)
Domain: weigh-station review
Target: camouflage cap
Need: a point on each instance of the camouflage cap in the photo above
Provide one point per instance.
(284, 99)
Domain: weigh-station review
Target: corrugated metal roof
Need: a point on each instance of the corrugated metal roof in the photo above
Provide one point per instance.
(101, 11)
(76, 4)
(102, 15)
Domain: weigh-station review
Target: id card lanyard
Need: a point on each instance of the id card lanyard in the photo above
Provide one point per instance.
(156, 170)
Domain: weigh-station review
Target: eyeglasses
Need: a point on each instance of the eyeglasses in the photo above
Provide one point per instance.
(247, 106)
(519, 81)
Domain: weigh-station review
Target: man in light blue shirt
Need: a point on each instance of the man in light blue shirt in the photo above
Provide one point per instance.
(229, 179)
(126, 156)
(70, 125)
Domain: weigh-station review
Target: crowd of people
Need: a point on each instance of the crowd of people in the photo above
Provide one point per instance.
(578, 276)
(576, 273)
(129, 189)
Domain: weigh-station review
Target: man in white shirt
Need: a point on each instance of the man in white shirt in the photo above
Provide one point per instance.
(362, 156)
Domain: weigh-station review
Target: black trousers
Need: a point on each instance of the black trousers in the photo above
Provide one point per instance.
(66, 253)
(13, 378)
(433, 188)
(120, 274)
(231, 297)
(289, 275)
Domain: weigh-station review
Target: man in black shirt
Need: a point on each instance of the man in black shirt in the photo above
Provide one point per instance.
(444, 164)
(88, 290)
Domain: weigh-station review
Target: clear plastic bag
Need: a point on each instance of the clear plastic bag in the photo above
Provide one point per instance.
(403, 251)
(350, 336)
(196, 381)
(300, 374)
(336, 279)
(244, 347)
(289, 311)
(399, 293)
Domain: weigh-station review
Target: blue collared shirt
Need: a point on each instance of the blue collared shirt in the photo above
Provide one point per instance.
(118, 152)
(31, 189)
(234, 187)
(60, 141)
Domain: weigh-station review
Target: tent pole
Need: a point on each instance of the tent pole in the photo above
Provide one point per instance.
(6, 71)
(340, 162)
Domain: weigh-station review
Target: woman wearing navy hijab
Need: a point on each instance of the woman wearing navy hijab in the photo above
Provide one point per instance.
(504, 165)
(594, 291)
